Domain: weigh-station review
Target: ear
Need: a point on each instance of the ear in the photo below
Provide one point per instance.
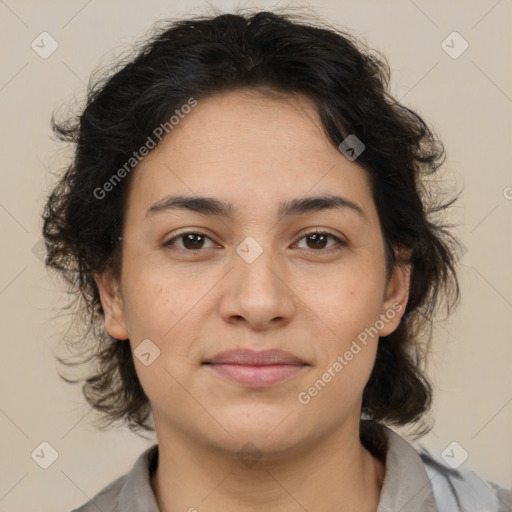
(396, 295)
(112, 304)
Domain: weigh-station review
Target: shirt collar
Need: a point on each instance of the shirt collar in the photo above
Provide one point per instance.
(137, 493)
(406, 485)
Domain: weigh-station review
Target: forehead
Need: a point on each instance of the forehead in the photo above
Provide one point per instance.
(249, 148)
(248, 127)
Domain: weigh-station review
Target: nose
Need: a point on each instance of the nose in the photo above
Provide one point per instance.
(258, 293)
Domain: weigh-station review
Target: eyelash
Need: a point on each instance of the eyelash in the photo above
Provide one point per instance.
(169, 244)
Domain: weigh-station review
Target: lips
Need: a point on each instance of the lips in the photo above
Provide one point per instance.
(250, 357)
(256, 369)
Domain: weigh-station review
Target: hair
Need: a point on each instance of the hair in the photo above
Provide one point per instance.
(273, 53)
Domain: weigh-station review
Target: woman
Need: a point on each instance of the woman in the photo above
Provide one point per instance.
(246, 220)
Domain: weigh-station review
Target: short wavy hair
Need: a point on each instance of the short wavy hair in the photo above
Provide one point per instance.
(276, 54)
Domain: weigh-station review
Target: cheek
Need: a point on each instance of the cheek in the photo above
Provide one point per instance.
(164, 307)
(350, 308)
(349, 304)
(337, 389)
(155, 298)
(148, 306)
(157, 310)
(349, 299)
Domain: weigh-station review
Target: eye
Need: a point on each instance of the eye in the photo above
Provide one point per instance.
(192, 241)
(319, 240)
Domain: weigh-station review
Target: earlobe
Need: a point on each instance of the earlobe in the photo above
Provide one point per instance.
(112, 304)
(396, 297)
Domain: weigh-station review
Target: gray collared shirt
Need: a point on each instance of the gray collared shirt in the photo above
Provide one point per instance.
(413, 482)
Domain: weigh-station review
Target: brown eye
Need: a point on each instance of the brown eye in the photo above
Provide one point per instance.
(191, 241)
(317, 240)
(194, 241)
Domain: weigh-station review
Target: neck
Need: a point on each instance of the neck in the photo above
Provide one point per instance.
(336, 474)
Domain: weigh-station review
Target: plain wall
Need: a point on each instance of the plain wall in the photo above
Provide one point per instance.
(468, 101)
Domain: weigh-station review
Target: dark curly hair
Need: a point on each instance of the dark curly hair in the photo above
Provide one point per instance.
(274, 53)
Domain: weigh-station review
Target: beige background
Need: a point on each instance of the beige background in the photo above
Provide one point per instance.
(468, 100)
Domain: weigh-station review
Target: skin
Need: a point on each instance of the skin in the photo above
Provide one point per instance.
(254, 151)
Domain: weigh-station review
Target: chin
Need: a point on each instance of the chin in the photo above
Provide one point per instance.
(269, 433)
(256, 443)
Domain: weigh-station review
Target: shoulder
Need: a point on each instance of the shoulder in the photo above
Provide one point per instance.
(131, 492)
(462, 489)
(418, 480)
(106, 499)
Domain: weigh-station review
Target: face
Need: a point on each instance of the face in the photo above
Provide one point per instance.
(196, 282)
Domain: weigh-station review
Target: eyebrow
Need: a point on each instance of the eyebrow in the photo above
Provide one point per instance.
(212, 206)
